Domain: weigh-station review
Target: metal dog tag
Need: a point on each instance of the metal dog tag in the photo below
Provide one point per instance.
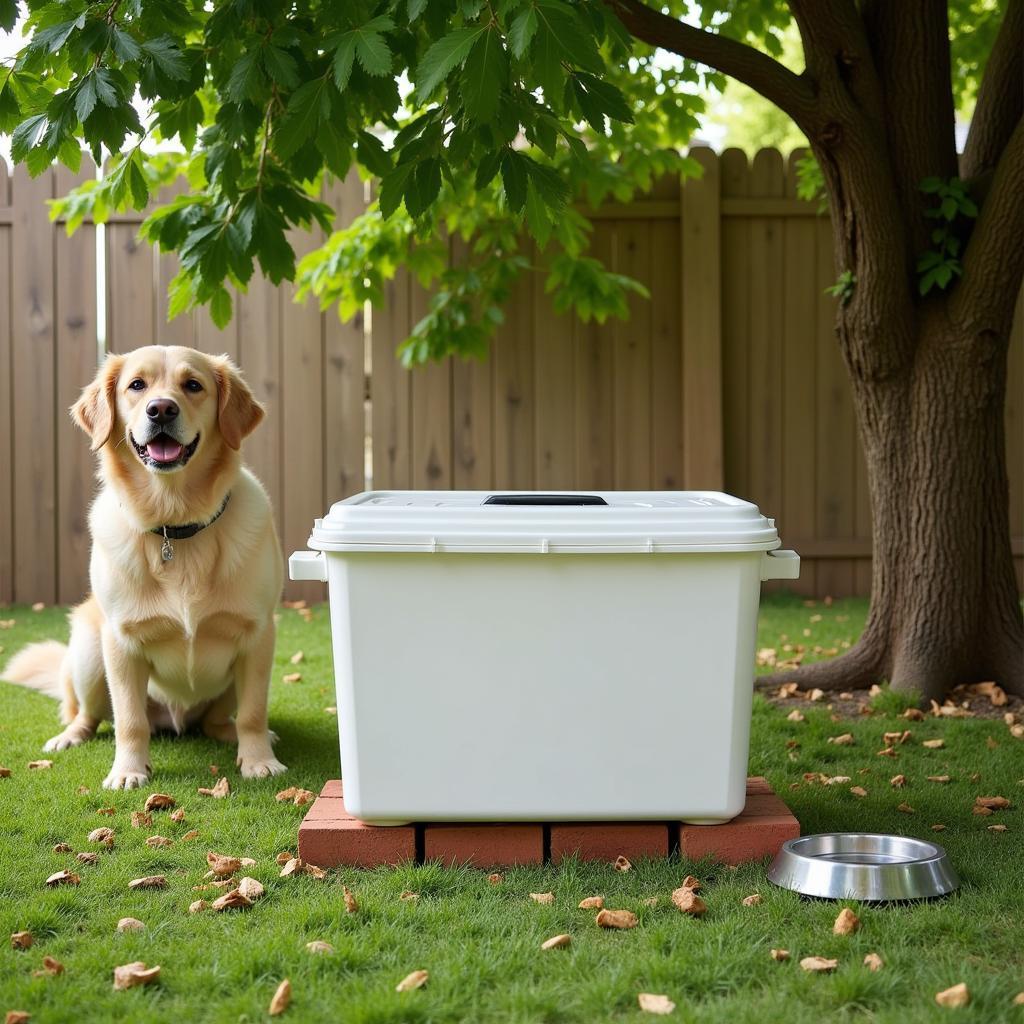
(166, 549)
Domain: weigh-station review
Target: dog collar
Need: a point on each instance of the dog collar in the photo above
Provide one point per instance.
(170, 533)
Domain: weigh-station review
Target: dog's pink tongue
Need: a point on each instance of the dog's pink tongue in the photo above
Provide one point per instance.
(163, 449)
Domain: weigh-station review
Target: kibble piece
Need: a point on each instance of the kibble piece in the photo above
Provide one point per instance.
(688, 902)
(63, 878)
(233, 900)
(141, 819)
(130, 924)
(21, 940)
(898, 781)
(153, 842)
(934, 744)
(282, 997)
(904, 808)
(873, 962)
(616, 919)
(846, 923)
(351, 903)
(320, 947)
(955, 996)
(159, 802)
(62, 848)
(149, 882)
(556, 942)
(197, 907)
(591, 903)
(87, 858)
(101, 835)
(621, 864)
(779, 954)
(819, 964)
(660, 1005)
(752, 900)
(221, 864)
(542, 897)
(130, 975)
(858, 791)
(495, 878)
(844, 740)
(411, 981)
(250, 888)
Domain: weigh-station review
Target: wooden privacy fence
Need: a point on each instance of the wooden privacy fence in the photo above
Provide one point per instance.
(729, 376)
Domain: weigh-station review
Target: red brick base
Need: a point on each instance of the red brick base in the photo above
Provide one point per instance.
(330, 836)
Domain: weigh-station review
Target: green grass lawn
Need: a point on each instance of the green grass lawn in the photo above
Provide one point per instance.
(480, 942)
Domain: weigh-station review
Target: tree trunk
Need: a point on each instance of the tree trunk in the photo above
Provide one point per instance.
(945, 609)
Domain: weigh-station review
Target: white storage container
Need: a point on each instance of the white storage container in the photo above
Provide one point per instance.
(544, 657)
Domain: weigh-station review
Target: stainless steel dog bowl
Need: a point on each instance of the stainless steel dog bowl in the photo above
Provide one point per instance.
(863, 866)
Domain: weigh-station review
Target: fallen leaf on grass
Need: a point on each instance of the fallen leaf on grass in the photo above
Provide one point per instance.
(190, 835)
(297, 866)
(221, 864)
(818, 964)
(232, 900)
(250, 888)
(221, 789)
(177, 816)
(149, 882)
(542, 897)
(956, 996)
(898, 781)
(87, 858)
(153, 842)
(753, 900)
(621, 864)
(130, 924)
(905, 808)
(556, 942)
(657, 1004)
(282, 997)
(689, 882)
(63, 878)
(846, 923)
(320, 947)
(21, 940)
(51, 968)
(616, 919)
(197, 907)
(141, 819)
(844, 740)
(102, 835)
(415, 980)
(495, 878)
(982, 811)
(17, 1017)
(995, 803)
(591, 903)
(796, 716)
(873, 962)
(133, 974)
(40, 764)
(283, 857)
(62, 848)
(779, 954)
(934, 744)
(159, 802)
(351, 903)
(888, 752)
(858, 791)
(688, 902)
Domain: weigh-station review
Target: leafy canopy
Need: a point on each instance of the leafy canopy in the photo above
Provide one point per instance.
(499, 121)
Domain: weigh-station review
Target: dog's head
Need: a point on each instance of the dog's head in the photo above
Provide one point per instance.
(167, 403)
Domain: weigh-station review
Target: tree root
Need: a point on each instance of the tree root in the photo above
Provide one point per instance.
(858, 668)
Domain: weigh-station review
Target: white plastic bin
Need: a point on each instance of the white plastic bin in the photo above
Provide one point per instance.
(544, 657)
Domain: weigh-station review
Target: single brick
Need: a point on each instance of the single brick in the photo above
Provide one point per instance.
(594, 841)
(484, 845)
(329, 836)
(332, 788)
(746, 838)
(761, 804)
(756, 784)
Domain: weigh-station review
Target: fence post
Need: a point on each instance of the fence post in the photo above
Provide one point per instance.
(700, 219)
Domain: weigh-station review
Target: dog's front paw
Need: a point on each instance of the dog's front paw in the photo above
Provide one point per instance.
(260, 767)
(63, 740)
(126, 778)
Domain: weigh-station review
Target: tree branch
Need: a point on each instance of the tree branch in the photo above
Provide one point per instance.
(994, 261)
(788, 91)
(1000, 98)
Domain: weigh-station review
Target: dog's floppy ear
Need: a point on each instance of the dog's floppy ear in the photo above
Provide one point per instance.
(238, 413)
(96, 406)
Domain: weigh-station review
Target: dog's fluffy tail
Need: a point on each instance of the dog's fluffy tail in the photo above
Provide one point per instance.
(38, 667)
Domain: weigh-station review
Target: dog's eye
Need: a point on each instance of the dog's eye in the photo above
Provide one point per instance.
(137, 385)
(193, 385)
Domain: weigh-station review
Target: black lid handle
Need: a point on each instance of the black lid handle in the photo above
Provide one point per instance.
(545, 499)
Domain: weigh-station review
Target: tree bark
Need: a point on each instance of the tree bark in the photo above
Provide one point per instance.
(944, 603)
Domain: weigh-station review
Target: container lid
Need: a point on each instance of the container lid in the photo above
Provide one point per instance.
(541, 522)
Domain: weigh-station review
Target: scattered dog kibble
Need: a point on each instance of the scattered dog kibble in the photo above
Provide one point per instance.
(159, 802)
(495, 878)
(141, 819)
(934, 744)
(291, 677)
(905, 808)
(591, 903)
(621, 864)
(688, 902)
(556, 942)
(221, 789)
(282, 997)
(412, 981)
(616, 919)
(87, 858)
(21, 940)
(62, 848)
(177, 816)
(779, 954)
(818, 964)
(63, 878)
(296, 658)
(858, 791)
(796, 716)
(542, 897)
(408, 897)
(941, 779)
(222, 865)
(998, 828)
(133, 974)
(197, 907)
(898, 781)
(846, 923)
(351, 903)
(51, 968)
(656, 1004)
(250, 888)
(938, 828)
(130, 924)
(956, 996)
(319, 947)
(844, 740)
(153, 842)
(873, 962)
(753, 900)
(40, 765)
(283, 857)
(149, 882)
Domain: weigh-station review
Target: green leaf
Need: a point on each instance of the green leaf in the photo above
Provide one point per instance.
(537, 219)
(427, 185)
(372, 50)
(9, 14)
(245, 82)
(137, 182)
(416, 8)
(393, 187)
(486, 170)
(125, 47)
(26, 135)
(85, 97)
(301, 118)
(220, 308)
(167, 57)
(485, 70)
(443, 57)
(524, 27)
(281, 66)
(344, 56)
(372, 154)
(10, 111)
(949, 208)
(513, 177)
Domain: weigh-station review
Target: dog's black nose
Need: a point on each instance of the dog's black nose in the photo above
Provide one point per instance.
(162, 410)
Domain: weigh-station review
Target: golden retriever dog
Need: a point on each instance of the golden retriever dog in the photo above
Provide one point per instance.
(186, 569)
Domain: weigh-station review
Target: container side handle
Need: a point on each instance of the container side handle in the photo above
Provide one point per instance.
(307, 565)
(780, 565)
